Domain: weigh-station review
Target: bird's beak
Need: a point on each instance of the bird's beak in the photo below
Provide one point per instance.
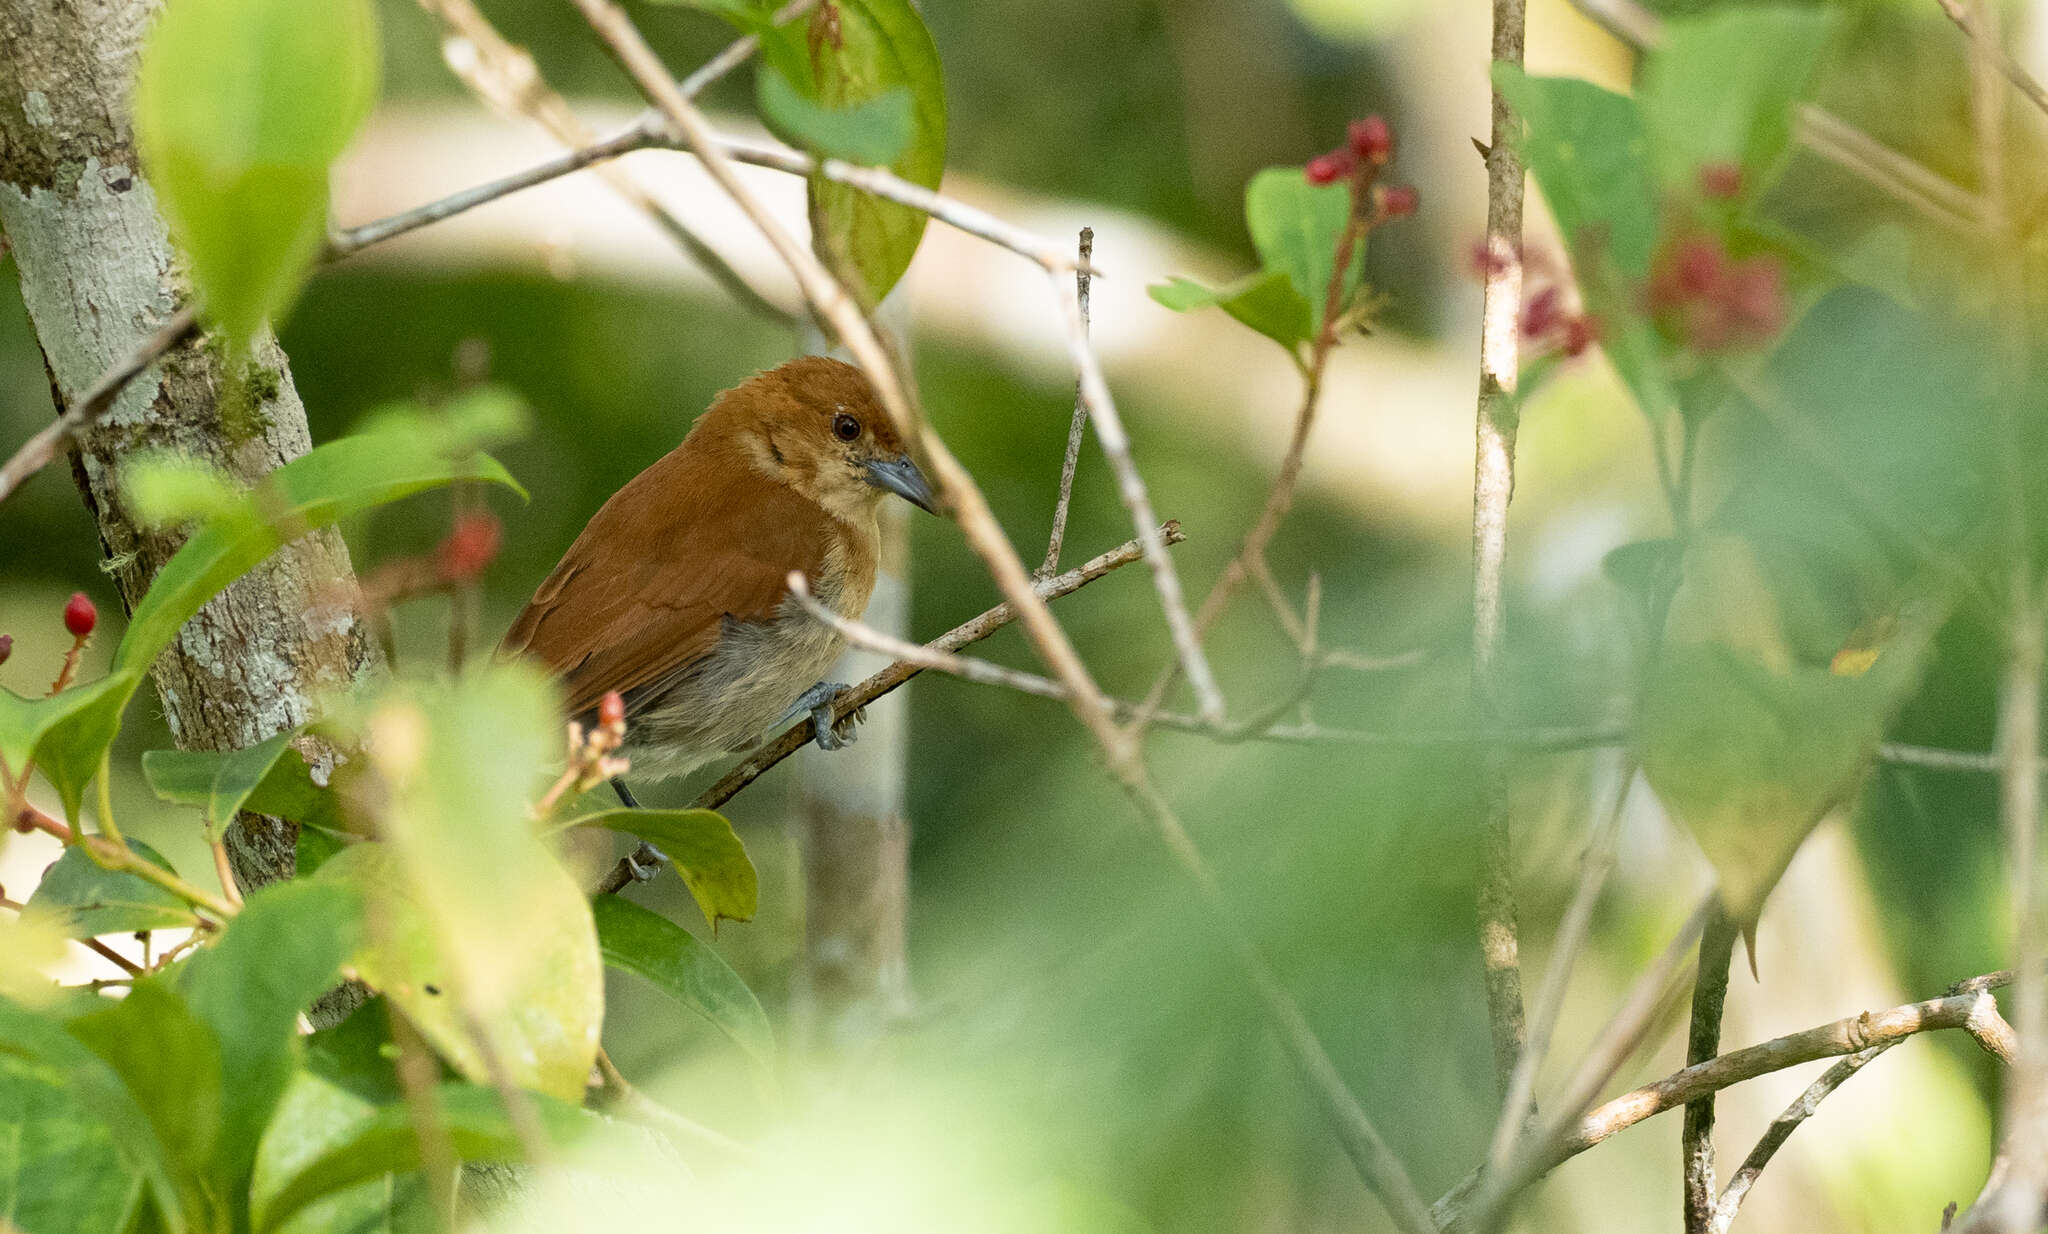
(900, 476)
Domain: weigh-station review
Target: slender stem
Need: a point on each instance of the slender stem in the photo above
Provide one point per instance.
(1696, 1140)
(418, 1075)
(2015, 72)
(1493, 487)
(1077, 427)
(1780, 1130)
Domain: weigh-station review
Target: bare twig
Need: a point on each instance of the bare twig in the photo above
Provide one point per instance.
(38, 450)
(1620, 1039)
(1938, 760)
(1971, 1009)
(1703, 1041)
(1780, 1130)
(505, 76)
(2001, 59)
(1077, 428)
(1595, 866)
(226, 872)
(1493, 487)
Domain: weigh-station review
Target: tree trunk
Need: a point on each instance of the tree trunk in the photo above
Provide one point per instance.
(98, 275)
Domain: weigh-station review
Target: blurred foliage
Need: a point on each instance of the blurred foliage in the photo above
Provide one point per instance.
(1087, 1058)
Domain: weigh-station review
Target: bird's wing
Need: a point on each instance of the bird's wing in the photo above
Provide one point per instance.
(703, 547)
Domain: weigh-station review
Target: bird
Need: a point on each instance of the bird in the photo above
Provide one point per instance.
(676, 595)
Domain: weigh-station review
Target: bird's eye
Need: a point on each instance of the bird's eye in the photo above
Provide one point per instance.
(845, 427)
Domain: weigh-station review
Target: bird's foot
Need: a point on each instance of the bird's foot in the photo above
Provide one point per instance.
(645, 862)
(821, 701)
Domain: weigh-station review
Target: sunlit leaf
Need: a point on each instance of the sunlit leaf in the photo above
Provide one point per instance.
(1296, 227)
(1721, 89)
(851, 55)
(702, 847)
(240, 105)
(218, 783)
(85, 899)
(385, 1143)
(869, 133)
(67, 734)
(683, 967)
(1267, 302)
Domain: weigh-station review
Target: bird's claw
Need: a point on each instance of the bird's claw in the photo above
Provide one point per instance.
(644, 862)
(823, 699)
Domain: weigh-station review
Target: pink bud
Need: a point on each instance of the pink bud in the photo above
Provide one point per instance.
(1580, 333)
(1540, 314)
(611, 709)
(1371, 139)
(1398, 201)
(6, 647)
(1332, 167)
(79, 615)
(1721, 181)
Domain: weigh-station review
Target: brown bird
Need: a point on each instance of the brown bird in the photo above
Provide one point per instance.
(676, 595)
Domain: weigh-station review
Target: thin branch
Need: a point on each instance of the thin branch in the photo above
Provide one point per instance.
(1595, 866)
(1703, 1041)
(1077, 428)
(1619, 1040)
(2001, 59)
(38, 450)
(1971, 1008)
(1780, 1130)
(1938, 760)
(1493, 487)
(1116, 447)
(505, 76)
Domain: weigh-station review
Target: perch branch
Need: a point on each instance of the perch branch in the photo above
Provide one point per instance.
(1780, 1130)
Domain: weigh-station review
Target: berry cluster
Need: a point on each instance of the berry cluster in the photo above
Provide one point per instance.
(1713, 301)
(1548, 325)
(470, 546)
(1368, 147)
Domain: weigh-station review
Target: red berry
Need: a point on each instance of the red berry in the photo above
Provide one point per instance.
(1398, 201)
(1755, 297)
(1490, 260)
(470, 546)
(6, 647)
(1371, 139)
(1332, 167)
(611, 709)
(1721, 181)
(79, 615)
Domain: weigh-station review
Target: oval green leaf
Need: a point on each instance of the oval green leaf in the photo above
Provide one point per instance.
(86, 900)
(703, 848)
(685, 968)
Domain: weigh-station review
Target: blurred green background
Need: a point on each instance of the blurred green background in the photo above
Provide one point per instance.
(1079, 1022)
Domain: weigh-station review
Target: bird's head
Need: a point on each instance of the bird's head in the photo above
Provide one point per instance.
(815, 425)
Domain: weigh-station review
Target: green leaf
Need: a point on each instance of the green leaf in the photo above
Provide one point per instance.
(68, 734)
(681, 966)
(167, 489)
(1296, 227)
(1267, 302)
(282, 951)
(87, 900)
(854, 56)
(703, 848)
(218, 783)
(1585, 147)
(270, 778)
(240, 105)
(59, 1169)
(385, 1143)
(870, 133)
(314, 1116)
(546, 1000)
(312, 491)
(1722, 87)
(170, 1062)
(96, 1086)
